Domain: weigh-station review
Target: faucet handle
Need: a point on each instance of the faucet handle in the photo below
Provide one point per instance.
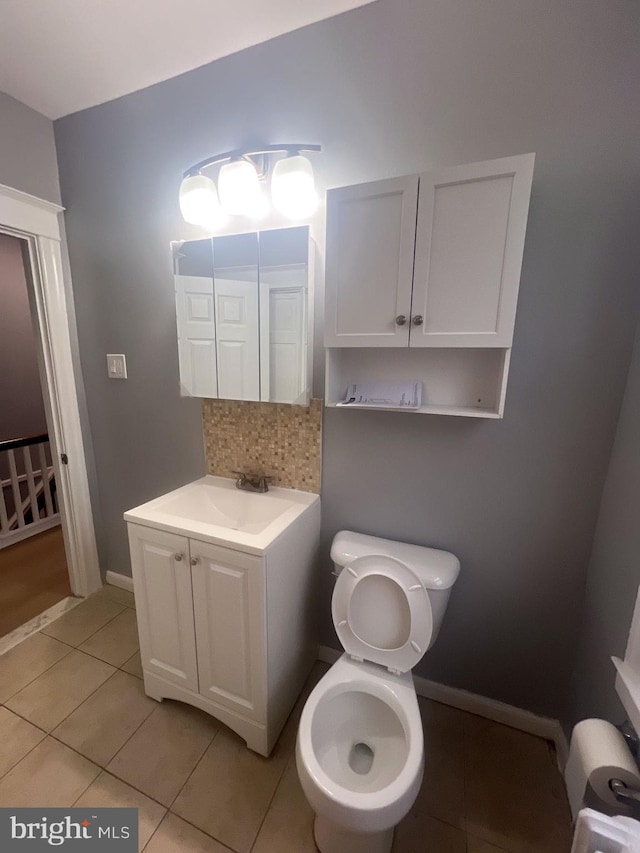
(263, 482)
(242, 477)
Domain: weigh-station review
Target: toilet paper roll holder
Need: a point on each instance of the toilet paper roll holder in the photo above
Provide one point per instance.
(624, 794)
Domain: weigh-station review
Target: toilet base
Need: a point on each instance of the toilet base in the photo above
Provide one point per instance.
(332, 838)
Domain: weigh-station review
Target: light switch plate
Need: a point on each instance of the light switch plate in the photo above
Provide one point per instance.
(116, 366)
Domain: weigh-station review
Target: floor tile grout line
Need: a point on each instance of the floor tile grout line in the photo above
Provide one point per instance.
(117, 601)
(68, 645)
(35, 746)
(108, 622)
(212, 837)
(8, 698)
(102, 660)
(112, 773)
(104, 767)
(268, 809)
(125, 782)
(197, 764)
(77, 706)
(86, 640)
(109, 677)
(84, 791)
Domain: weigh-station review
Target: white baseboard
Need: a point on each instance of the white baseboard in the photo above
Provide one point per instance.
(482, 706)
(123, 581)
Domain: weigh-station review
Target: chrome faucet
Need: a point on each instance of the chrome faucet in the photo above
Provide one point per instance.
(252, 482)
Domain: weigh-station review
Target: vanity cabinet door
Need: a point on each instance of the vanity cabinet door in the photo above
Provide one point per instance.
(229, 609)
(162, 581)
(469, 243)
(369, 268)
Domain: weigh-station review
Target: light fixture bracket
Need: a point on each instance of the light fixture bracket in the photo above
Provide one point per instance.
(261, 165)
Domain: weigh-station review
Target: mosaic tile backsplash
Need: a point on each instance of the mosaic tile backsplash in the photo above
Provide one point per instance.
(269, 438)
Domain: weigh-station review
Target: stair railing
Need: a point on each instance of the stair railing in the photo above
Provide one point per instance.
(28, 500)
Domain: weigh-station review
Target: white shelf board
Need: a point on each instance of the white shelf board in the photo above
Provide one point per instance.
(456, 411)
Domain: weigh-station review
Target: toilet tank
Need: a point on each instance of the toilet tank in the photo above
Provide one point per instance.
(437, 570)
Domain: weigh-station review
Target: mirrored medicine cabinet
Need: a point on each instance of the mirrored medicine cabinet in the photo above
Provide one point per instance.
(242, 306)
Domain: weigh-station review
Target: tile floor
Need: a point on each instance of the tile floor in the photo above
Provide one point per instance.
(77, 729)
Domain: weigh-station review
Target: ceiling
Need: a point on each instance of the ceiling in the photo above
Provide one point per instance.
(61, 56)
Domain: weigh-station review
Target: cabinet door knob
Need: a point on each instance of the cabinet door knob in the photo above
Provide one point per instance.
(417, 320)
(401, 320)
(195, 561)
(178, 557)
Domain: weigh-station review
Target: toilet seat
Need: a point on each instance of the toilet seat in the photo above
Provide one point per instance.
(382, 613)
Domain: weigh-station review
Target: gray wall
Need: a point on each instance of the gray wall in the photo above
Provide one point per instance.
(27, 150)
(390, 89)
(21, 405)
(614, 571)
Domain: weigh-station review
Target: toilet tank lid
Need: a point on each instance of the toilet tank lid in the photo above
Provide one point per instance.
(436, 569)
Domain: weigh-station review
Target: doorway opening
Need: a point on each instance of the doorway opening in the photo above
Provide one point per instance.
(34, 573)
(36, 224)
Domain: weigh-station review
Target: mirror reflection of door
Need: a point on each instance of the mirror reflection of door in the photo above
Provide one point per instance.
(235, 274)
(242, 316)
(193, 263)
(283, 314)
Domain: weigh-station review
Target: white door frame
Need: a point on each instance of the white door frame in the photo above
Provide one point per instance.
(36, 220)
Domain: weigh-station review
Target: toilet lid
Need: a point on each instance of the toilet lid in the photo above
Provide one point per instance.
(382, 612)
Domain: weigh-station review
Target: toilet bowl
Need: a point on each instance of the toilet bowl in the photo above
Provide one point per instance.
(364, 766)
(359, 750)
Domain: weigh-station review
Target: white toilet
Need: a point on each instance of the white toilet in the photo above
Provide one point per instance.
(359, 750)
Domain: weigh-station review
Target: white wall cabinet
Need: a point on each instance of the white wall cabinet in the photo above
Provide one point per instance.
(225, 630)
(428, 262)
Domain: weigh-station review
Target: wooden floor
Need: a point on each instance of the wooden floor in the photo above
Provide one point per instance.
(33, 577)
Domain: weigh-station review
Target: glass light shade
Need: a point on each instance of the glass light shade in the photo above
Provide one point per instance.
(239, 188)
(293, 187)
(199, 203)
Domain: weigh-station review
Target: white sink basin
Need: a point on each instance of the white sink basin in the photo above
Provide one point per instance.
(213, 509)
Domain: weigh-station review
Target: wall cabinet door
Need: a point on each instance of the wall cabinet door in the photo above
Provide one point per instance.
(229, 609)
(369, 265)
(467, 229)
(162, 579)
(469, 243)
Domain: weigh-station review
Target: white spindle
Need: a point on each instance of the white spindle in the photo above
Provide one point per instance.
(33, 497)
(15, 488)
(45, 481)
(4, 521)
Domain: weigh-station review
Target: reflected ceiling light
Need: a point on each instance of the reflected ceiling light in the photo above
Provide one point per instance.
(242, 183)
(293, 187)
(199, 203)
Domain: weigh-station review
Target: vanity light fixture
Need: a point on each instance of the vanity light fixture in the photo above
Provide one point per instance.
(242, 180)
(199, 202)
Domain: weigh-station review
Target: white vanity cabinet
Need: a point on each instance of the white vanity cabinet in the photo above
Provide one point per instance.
(429, 265)
(226, 624)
